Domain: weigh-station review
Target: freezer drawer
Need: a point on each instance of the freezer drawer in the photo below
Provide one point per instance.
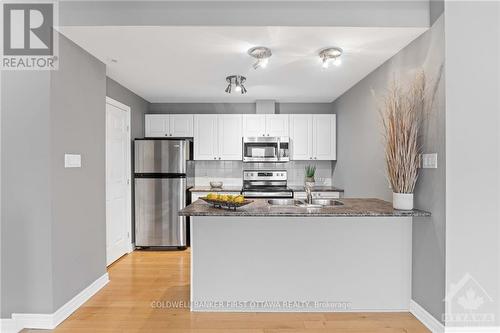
(157, 202)
(161, 156)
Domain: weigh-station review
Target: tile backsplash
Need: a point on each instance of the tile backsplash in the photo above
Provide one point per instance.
(231, 172)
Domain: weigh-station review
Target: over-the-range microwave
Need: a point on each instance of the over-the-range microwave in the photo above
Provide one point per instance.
(266, 149)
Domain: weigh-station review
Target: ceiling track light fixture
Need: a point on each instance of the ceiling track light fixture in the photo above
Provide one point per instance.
(262, 54)
(238, 82)
(331, 54)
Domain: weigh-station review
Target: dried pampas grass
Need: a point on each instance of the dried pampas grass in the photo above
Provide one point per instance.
(402, 114)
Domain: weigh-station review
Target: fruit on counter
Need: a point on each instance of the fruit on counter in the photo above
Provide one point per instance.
(212, 196)
(239, 199)
(222, 197)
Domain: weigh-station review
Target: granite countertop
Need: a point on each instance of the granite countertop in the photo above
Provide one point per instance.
(318, 188)
(210, 189)
(260, 207)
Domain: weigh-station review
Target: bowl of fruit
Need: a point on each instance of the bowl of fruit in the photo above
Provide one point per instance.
(226, 201)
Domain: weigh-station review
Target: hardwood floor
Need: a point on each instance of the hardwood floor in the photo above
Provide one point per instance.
(143, 277)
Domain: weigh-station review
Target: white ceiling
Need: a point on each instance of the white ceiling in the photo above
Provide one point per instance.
(189, 64)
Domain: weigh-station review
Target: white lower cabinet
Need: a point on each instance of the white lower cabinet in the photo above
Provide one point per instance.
(313, 137)
(218, 137)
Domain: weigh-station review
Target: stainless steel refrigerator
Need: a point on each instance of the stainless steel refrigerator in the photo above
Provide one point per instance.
(161, 170)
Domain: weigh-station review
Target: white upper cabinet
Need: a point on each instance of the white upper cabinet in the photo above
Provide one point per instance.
(254, 125)
(324, 137)
(301, 126)
(265, 125)
(230, 136)
(205, 137)
(157, 125)
(313, 137)
(168, 125)
(181, 125)
(277, 125)
(217, 137)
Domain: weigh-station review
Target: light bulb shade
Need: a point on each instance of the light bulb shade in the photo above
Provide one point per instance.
(237, 81)
(332, 54)
(262, 54)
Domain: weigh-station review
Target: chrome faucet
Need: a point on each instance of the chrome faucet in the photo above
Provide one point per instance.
(308, 194)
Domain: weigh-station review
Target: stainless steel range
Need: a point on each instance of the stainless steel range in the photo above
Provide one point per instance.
(266, 184)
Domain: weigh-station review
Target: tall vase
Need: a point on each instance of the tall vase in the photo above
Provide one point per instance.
(402, 201)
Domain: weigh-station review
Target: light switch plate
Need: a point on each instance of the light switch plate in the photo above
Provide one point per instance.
(72, 161)
(429, 161)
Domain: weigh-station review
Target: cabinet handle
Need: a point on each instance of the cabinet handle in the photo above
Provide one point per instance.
(166, 134)
(310, 158)
(315, 158)
(215, 158)
(219, 158)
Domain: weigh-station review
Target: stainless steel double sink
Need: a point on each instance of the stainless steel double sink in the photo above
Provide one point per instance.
(316, 203)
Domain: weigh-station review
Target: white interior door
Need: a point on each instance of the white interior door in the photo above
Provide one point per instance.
(118, 196)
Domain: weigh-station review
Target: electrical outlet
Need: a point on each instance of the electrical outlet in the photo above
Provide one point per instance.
(429, 161)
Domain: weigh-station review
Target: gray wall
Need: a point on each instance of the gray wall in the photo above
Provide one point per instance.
(77, 122)
(138, 105)
(246, 13)
(473, 151)
(53, 219)
(237, 108)
(26, 261)
(360, 167)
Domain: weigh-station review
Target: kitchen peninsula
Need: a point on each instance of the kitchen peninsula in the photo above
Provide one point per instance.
(353, 256)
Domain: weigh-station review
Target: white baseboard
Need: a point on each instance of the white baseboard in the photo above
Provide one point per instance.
(50, 321)
(435, 326)
(479, 329)
(426, 318)
(9, 326)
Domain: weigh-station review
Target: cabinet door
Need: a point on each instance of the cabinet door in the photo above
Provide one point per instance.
(230, 137)
(205, 137)
(254, 125)
(324, 141)
(301, 137)
(181, 125)
(277, 125)
(156, 125)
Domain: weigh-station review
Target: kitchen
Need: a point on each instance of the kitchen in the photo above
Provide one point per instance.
(238, 172)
